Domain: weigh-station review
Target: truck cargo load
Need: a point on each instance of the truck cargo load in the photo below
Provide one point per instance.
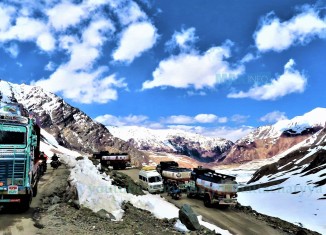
(213, 187)
(116, 160)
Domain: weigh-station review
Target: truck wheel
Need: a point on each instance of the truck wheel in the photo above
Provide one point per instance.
(207, 201)
(25, 202)
(35, 190)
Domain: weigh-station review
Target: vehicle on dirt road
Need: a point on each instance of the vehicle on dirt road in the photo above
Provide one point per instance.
(172, 174)
(19, 156)
(116, 160)
(55, 164)
(212, 187)
(150, 180)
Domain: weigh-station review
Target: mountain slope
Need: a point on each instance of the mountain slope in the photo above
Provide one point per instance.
(201, 148)
(268, 141)
(71, 127)
(293, 188)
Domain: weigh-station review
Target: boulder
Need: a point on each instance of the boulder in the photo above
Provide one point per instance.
(189, 218)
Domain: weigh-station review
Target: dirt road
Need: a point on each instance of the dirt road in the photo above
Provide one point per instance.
(236, 222)
(12, 223)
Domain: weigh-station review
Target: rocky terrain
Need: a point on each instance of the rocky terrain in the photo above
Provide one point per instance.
(70, 126)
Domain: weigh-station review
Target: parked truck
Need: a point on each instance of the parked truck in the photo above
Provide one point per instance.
(172, 174)
(212, 187)
(116, 160)
(19, 152)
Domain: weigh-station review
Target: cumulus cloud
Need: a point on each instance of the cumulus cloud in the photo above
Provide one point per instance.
(77, 33)
(77, 79)
(299, 30)
(291, 81)
(200, 118)
(183, 40)
(194, 69)
(111, 120)
(28, 29)
(237, 118)
(135, 40)
(65, 14)
(273, 117)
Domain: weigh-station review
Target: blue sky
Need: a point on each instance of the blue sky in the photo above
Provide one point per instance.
(217, 68)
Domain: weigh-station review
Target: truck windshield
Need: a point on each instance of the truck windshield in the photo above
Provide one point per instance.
(154, 179)
(13, 135)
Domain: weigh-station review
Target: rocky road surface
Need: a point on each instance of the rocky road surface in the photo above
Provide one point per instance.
(53, 212)
(238, 220)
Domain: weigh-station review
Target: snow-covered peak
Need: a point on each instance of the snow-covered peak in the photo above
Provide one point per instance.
(178, 141)
(147, 134)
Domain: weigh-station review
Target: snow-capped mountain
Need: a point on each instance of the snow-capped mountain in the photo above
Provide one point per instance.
(205, 149)
(297, 179)
(71, 127)
(268, 141)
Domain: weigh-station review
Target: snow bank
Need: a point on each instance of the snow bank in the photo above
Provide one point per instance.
(296, 200)
(96, 192)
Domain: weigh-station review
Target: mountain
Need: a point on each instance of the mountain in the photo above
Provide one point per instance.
(268, 141)
(71, 127)
(201, 148)
(293, 187)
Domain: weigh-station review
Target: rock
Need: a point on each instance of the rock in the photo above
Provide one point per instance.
(189, 218)
(79, 158)
(105, 215)
(55, 200)
(53, 207)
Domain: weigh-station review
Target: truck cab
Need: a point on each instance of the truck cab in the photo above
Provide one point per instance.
(19, 174)
(150, 180)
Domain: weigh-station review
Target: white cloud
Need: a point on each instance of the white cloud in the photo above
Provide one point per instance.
(50, 66)
(110, 120)
(184, 40)
(28, 29)
(12, 49)
(5, 16)
(77, 79)
(83, 87)
(273, 117)
(194, 70)
(301, 29)
(237, 118)
(291, 81)
(46, 42)
(199, 118)
(130, 13)
(178, 119)
(136, 39)
(206, 118)
(65, 14)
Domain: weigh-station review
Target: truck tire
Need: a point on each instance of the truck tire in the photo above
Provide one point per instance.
(35, 190)
(25, 202)
(207, 201)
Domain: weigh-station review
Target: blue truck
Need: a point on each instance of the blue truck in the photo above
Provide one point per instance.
(19, 151)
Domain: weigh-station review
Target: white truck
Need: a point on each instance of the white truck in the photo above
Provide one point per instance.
(150, 180)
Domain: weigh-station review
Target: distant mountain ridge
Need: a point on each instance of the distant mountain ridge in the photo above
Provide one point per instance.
(201, 148)
(268, 141)
(71, 127)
